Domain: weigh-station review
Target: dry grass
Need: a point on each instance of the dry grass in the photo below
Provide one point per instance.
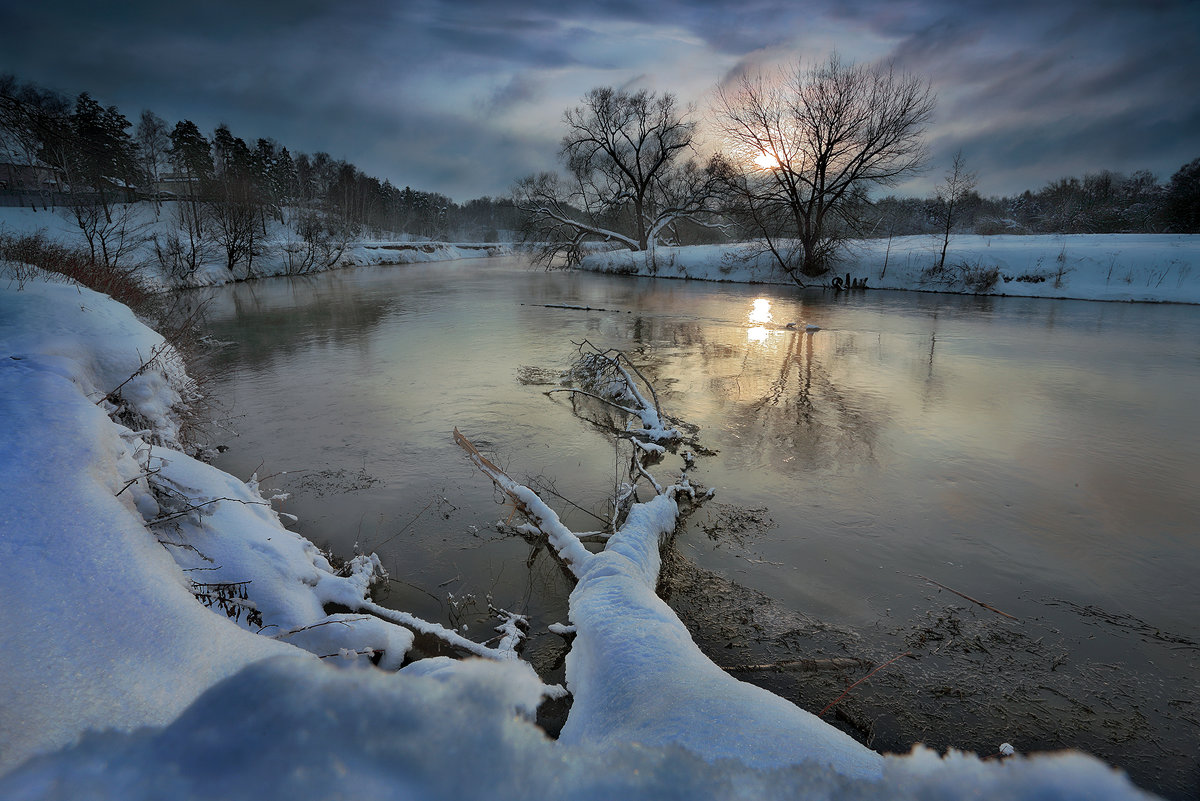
(39, 251)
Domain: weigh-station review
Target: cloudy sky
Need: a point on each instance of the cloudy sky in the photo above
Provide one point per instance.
(464, 96)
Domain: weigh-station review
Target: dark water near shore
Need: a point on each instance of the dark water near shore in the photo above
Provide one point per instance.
(1040, 456)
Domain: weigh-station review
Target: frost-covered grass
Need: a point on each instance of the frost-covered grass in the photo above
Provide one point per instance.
(165, 635)
(1118, 267)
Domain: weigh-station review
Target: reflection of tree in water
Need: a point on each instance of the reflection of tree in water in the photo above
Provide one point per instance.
(804, 416)
(267, 322)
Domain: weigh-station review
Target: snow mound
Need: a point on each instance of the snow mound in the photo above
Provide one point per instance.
(288, 728)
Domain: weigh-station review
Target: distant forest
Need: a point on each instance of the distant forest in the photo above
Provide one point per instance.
(1104, 202)
(55, 150)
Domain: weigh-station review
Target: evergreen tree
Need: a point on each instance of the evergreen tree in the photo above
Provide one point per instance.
(1182, 208)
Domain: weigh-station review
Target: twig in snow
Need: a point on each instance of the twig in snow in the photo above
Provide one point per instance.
(136, 479)
(425, 627)
(349, 652)
(345, 623)
(195, 507)
(154, 354)
(512, 630)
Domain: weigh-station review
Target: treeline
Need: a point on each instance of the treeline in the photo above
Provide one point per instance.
(64, 151)
(1105, 202)
(629, 179)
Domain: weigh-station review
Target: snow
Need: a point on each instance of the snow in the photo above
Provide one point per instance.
(100, 630)
(283, 728)
(147, 223)
(669, 693)
(1114, 267)
(119, 683)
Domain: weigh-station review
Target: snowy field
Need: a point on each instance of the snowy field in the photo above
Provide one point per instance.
(166, 636)
(1115, 267)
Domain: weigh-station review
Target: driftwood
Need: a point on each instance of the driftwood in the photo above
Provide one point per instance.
(965, 596)
(806, 665)
(491, 471)
(846, 692)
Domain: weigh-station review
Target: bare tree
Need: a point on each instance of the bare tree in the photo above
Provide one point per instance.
(153, 144)
(954, 189)
(628, 181)
(805, 145)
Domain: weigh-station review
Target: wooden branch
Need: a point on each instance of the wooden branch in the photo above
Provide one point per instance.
(964, 595)
(564, 542)
(594, 396)
(195, 507)
(810, 665)
(846, 692)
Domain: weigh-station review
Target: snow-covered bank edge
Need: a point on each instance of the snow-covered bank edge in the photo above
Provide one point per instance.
(104, 632)
(273, 264)
(1158, 268)
(278, 252)
(116, 540)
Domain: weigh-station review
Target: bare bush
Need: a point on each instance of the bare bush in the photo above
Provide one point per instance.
(315, 242)
(37, 250)
(181, 251)
(976, 278)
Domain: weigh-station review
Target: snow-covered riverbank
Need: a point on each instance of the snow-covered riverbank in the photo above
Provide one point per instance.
(277, 253)
(158, 609)
(1114, 267)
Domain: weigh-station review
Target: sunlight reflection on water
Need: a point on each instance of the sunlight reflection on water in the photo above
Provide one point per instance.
(760, 312)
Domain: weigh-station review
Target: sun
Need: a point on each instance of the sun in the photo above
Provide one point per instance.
(765, 161)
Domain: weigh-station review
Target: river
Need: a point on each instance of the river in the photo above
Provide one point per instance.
(1040, 457)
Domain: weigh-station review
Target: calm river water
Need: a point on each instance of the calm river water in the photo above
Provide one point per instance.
(1040, 456)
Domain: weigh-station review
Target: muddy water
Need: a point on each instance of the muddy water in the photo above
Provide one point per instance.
(1041, 457)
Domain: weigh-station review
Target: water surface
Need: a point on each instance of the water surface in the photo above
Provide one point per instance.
(1041, 456)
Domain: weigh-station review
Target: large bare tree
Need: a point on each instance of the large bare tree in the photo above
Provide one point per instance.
(628, 179)
(804, 145)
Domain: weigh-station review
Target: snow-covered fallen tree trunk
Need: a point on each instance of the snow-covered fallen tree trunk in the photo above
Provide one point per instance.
(637, 676)
(633, 670)
(605, 376)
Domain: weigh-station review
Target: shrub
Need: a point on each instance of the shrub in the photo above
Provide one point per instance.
(37, 250)
(974, 278)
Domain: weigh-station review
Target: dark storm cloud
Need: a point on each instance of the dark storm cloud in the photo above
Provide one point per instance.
(463, 97)
(1080, 86)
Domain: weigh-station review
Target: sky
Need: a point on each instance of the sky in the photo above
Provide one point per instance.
(463, 97)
